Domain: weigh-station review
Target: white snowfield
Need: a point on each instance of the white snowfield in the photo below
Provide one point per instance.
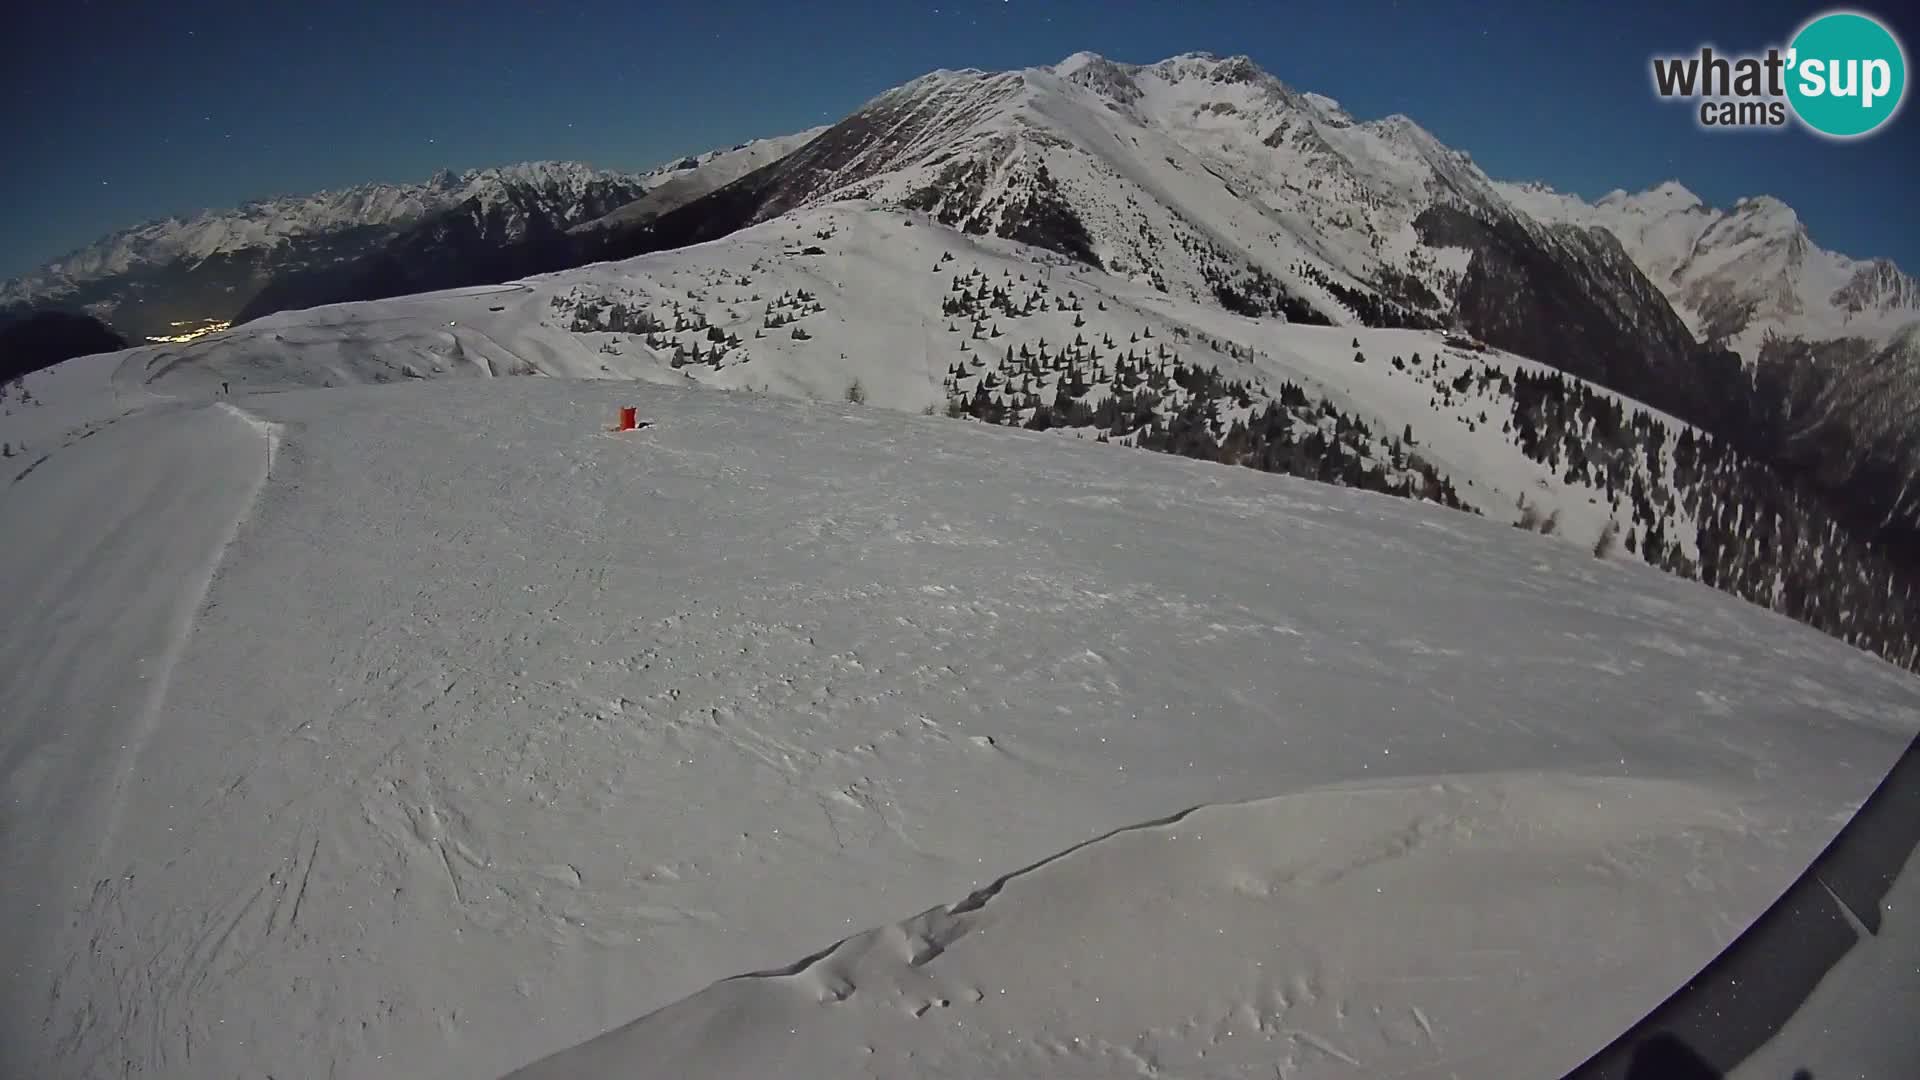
(431, 730)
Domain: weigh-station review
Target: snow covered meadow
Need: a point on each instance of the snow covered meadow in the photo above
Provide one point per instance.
(433, 730)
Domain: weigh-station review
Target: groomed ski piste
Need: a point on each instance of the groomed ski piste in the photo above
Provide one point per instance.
(434, 730)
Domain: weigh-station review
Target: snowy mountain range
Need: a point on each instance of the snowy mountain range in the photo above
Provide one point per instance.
(1208, 180)
(1831, 344)
(172, 276)
(1204, 174)
(1742, 274)
(1188, 256)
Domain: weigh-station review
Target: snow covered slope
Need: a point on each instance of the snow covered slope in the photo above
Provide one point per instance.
(683, 181)
(814, 303)
(1743, 273)
(426, 730)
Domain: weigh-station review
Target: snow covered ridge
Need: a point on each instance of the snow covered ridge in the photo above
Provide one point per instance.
(686, 180)
(1212, 181)
(894, 310)
(504, 731)
(1192, 172)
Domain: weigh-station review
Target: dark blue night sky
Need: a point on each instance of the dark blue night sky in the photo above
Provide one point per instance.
(125, 111)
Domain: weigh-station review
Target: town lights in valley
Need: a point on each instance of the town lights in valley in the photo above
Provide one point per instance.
(189, 335)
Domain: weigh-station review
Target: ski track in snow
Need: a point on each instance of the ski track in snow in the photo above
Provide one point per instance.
(251, 471)
(144, 542)
(495, 731)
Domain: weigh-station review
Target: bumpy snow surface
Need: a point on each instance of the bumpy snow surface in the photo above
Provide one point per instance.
(433, 730)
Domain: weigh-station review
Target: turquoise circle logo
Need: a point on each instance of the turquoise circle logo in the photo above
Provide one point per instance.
(1847, 74)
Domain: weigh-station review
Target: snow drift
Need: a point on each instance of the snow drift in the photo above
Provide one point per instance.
(1346, 931)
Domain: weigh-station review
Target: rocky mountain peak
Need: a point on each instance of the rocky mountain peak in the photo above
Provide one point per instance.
(1674, 194)
(1767, 211)
(1667, 197)
(1101, 75)
(1209, 67)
